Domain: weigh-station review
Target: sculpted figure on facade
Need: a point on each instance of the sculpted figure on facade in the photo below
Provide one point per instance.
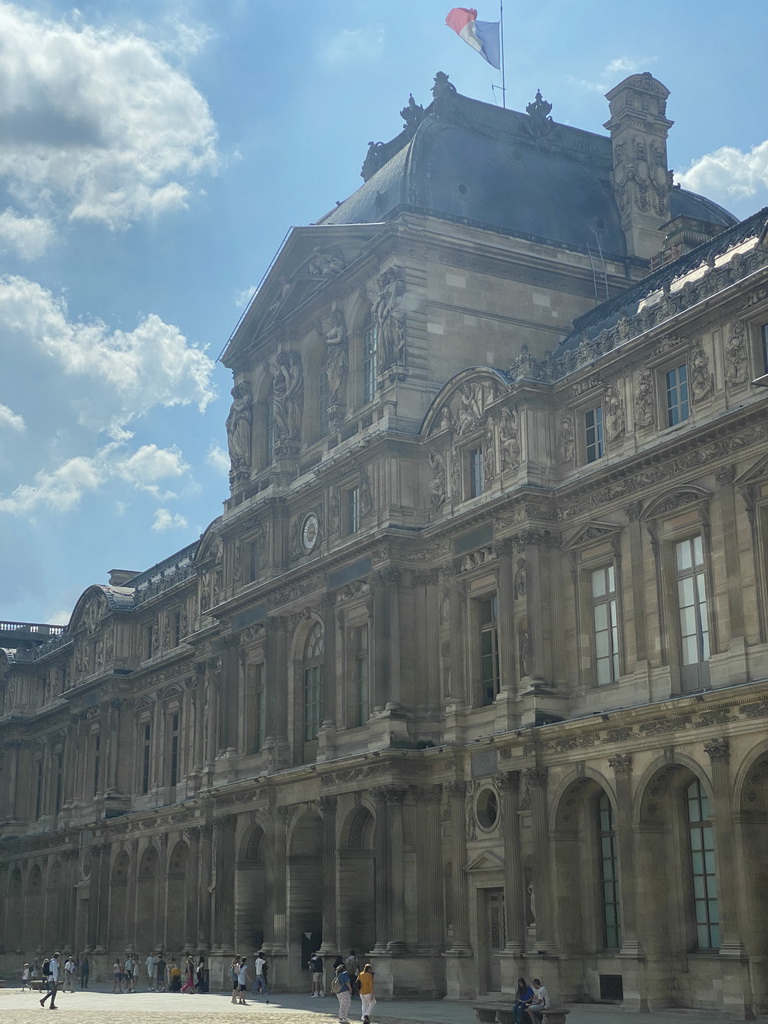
(489, 455)
(337, 357)
(736, 355)
(437, 486)
(702, 381)
(509, 439)
(615, 424)
(288, 397)
(455, 475)
(390, 318)
(239, 430)
(325, 262)
(645, 404)
(521, 579)
(471, 407)
(567, 443)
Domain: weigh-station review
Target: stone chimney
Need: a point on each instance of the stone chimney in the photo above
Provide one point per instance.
(638, 127)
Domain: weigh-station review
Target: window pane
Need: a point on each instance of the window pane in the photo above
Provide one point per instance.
(601, 616)
(598, 583)
(683, 551)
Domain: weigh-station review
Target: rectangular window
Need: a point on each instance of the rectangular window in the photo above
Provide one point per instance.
(259, 707)
(146, 757)
(96, 763)
(313, 701)
(703, 872)
(676, 381)
(764, 346)
(362, 681)
(174, 749)
(488, 609)
(609, 876)
(352, 510)
(253, 561)
(147, 642)
(476, 472)
(692, 601)
(59, 782)
(593, 434)
(39, 789)
(605, 625)
(370, 361)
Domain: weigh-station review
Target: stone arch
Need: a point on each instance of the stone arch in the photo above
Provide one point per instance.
(665, 875)
(14, 909)
(583, 773)
(118, 901)
(357, 874)
(587, 909)
(305, 744)
(33, 907)
(251, 888)
(148, 896)
(178, 907)
(751, 802)
(304, 877)
(54, 926)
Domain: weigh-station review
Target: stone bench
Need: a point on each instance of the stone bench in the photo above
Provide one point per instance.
(501, 1013)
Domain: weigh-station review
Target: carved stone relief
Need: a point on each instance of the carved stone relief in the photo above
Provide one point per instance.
(288, 397)
(645, 403)
(736, 355)
(437, 485)
(509, 440)
(337, 359)
(615, 423)
(239, 431)
(702, 381)
(389, 316)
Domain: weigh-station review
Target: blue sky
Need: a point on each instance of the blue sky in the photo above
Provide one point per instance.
(154, 154)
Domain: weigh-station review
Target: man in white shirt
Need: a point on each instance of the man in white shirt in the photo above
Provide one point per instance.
(541, 1002)
(151, 964)
(69, 975)
(260, 981)
(128, 970)
(53, 982)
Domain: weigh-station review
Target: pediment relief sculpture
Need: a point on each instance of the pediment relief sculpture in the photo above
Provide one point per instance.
(325, 262)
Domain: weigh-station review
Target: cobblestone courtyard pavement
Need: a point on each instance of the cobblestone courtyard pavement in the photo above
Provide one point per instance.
(101, 1007)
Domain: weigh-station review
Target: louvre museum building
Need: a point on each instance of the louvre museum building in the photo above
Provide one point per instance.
(471, 673)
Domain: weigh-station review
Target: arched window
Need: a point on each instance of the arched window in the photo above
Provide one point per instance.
(609, 877)
(313, 682)
(370, 359)
(701, 842)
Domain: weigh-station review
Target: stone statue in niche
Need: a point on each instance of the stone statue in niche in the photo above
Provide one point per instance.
(645, 404)
(615, 424)
(437, 486)
(489, 456)
(521, 579)
(736, 355)
(456, 475)
(388, 314)
(337, 358)
(509, 439)
(567, 443)
(239, 424)
(325, 262)
(702, 381)
(288, 397)
(446, 419)
(525, 652)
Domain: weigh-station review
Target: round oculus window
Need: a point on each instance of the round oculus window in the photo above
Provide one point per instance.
(487, 809)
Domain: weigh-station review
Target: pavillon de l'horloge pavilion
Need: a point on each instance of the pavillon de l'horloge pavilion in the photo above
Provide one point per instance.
(471, 674)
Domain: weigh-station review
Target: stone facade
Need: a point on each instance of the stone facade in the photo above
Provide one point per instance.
(472, 672)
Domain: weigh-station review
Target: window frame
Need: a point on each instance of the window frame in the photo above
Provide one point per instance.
(693, 674)
(594, 449)
(475, 471)
(313, 682)
(488, 633)
(678, 411)
(610, 891)
(610, 599)
(701, 841)
(350, 501)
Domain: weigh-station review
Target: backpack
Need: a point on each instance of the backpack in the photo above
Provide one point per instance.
(336, 986)
(46, 968)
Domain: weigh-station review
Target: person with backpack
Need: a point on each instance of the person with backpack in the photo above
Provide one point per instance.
(53, 981)
(316, 970)
(341, 986)
(234, 970)
(45, 972)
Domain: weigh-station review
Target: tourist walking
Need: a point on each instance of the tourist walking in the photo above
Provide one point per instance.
(260, 979)
(242, 981)
(69, 975)
(342, 989)
(160, 969)
(151, 964)
(367, 997)
(316, 970)
(189, 976)
(53, 981)
(128, 973)
(174, 976)
(25, 978)
(234, 973)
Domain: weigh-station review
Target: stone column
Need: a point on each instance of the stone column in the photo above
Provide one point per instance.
(457, 792)
(385, 646)
(536, 605)
(637, 574)
(198, 756)
(536, 780)
(382, 870)
(276, 738)
(330, 899)
(224, 881)
(212, 678)
(728, 544)
(197, 886)
(8, 795)
(330, 675)
(507, 651)
(395, 798)
(113, 743)
(279, 907)
(204, 932)
(622, 769)
(514, 910)
(100, 896)
(430, 912)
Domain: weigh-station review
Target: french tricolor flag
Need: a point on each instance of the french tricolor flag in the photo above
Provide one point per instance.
(482, 36)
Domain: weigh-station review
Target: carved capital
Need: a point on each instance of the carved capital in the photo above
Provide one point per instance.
(536, 778)
(719, 751)
(426, 794)
(621, 764)
(327, 804)
(457, 790)
(508, 781)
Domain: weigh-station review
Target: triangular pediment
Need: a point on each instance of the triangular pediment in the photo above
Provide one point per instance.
(592, 533)
(309, 260)
(486, 861)
(756, 473)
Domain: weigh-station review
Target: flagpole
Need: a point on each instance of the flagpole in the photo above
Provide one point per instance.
(503, 71)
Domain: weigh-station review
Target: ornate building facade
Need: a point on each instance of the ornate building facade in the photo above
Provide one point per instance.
(472, 672)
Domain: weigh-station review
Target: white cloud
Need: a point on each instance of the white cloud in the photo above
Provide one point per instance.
(164, 520)
(218, 459)
(59, 618)
(96, 124)
(614, 71)
(243, 297)
(29, 237)
(61, 489)
(153, 365)
(354, 46)
(728, 172)
(8, 418)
